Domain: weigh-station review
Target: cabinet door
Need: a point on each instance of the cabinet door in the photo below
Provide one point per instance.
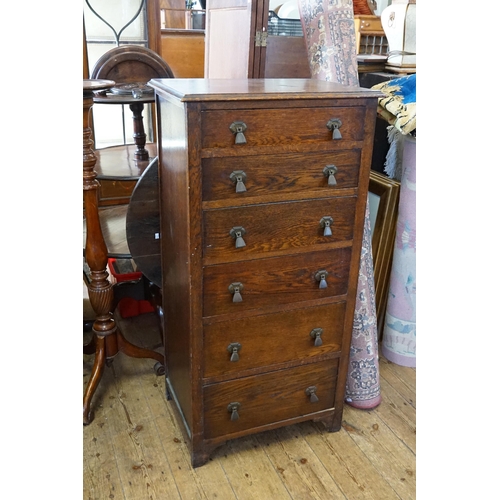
(230, 30)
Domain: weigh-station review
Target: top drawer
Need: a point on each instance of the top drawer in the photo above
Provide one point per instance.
(274, 127)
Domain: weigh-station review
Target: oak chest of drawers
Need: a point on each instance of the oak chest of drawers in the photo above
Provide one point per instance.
(263, 187)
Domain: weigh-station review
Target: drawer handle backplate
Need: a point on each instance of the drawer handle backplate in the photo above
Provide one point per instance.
(237, 233)
(326, 223)
(316, 335)
(235, 289)
(233, 348)
(334, 125)
(321, 277)
(311, 392)
(239, 178)
(238, 128)
(330, 171)
(233, 408)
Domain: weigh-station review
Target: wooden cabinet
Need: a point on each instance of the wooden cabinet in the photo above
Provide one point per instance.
(238, 31)
(262, 208)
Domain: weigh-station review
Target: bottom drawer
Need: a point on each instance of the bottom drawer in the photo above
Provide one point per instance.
(250, 402)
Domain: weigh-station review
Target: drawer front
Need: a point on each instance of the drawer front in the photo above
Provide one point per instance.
(261, 175)
(259, 229)
(267, 398)
(241, 344)
(265, 283)
(279, 127)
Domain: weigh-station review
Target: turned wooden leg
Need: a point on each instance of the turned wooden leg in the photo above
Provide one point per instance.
(95, 377)
(136, 352)
(107, 339)
(139, 135)
(99, 288)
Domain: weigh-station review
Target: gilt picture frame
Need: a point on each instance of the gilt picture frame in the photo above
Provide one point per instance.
(383, 199)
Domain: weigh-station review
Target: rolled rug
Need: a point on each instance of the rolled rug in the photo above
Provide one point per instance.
(330, 38)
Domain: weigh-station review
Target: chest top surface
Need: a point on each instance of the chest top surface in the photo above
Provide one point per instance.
(201, 89)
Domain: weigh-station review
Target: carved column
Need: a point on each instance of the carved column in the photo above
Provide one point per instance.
(96, 254)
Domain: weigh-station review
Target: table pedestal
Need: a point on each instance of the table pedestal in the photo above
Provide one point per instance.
(107, 340)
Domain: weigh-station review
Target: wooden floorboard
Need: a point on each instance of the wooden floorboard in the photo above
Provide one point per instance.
(135, 450)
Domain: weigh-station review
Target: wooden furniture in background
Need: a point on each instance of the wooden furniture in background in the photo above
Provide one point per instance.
(154, 25)
(371, 42)
(185, 52)
(119, 167)
(234, 44)
(263, 187)
(182, 40)
(370, 36)
(237, 43)
(173, 14)
(107, 340)
(85, 57)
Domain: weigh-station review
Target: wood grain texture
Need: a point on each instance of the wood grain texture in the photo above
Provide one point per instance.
(273, 227)
(241, 91)
(286, 57)
(271, 339)
(224, 262)
(184, 51)
(268, 175)
(273, 127)
(367, 459)
(270, 397)
(274, 282)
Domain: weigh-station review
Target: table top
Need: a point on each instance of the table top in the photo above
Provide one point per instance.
(123, 99)
(126, 93)
(206, 89)
(119, 162)
(96, 85)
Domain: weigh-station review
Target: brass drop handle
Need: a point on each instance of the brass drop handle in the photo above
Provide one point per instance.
(334, 125)
(239, 178)
(321, 277)
(326, 223)
(330, 171)
(311, 392)
(235, 289)
(233, 348)
(237, 233)
(233, 408)
(316, 335)
(238, 128)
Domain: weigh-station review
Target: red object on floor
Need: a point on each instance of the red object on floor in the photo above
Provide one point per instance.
(145, 307)
(122, 277)
(131, 307)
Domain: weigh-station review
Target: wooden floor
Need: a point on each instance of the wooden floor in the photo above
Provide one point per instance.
(134, 449)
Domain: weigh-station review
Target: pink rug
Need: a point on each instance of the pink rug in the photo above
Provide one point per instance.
(399, 336)
(331, 45)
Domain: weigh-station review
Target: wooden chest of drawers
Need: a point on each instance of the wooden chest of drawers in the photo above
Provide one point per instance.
(263, 187)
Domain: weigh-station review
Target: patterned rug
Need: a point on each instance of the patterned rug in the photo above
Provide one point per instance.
(363, 381)
(330, 37)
